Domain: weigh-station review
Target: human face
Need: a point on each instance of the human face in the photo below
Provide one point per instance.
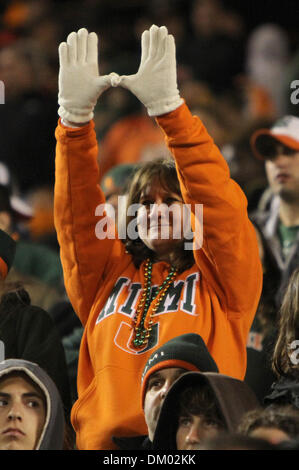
(22, 414)
(273, 435)
(160, 219)
(192, 429)
(157, 387)
(283, 174)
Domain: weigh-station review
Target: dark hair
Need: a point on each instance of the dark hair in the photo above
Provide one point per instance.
(22, 374)
(269, 147)
(9, 292)
(285, 418)
(199, 400)
(164, 171)
(288, 329)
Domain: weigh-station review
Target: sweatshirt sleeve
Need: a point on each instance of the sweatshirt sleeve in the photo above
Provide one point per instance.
(77, 199)
(228, 257)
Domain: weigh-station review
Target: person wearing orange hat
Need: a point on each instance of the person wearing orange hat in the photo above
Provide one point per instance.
(279, 224)
(277, 227)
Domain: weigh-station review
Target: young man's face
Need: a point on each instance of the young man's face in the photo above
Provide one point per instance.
(192, 429)
(22, 414)
(157, 387)
(283, 173)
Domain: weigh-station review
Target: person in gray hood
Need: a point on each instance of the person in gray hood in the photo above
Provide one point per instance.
(199, 405)
(31, 410)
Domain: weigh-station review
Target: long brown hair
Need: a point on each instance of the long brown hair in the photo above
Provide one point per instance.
(288, 329)
(163, 171)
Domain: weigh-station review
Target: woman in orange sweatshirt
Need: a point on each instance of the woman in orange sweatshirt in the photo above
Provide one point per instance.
(134, 293)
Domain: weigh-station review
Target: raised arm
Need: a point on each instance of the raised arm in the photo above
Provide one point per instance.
(77, 193)
(228, 258)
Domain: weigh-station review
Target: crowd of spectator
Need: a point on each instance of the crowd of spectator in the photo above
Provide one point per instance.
(238, 81)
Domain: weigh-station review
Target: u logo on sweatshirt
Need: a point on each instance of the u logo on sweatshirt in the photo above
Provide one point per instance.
(124, 335)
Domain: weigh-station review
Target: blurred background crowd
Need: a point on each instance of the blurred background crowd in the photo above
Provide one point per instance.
(236, 62)
(235, 65)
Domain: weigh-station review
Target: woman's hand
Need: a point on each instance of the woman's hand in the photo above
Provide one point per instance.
(155, 83)
(80, 84)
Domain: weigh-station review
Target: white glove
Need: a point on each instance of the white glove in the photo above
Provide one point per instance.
(80, 84)
(155, 83)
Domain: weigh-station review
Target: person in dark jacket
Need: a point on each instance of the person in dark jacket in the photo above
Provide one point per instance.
(201, 405)
(183, 353)
(27, 331)
(278, 223)
(31, 411)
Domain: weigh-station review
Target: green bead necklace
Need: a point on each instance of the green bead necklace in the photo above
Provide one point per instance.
(143, 322)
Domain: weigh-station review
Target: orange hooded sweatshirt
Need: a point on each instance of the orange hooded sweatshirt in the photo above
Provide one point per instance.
(216, 298)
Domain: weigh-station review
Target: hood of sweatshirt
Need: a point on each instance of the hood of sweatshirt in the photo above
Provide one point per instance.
(233, 399)
(52, 435)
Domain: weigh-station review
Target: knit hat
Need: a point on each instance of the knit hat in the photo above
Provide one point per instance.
(187, 351)
(285, 131)
(7, 253)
